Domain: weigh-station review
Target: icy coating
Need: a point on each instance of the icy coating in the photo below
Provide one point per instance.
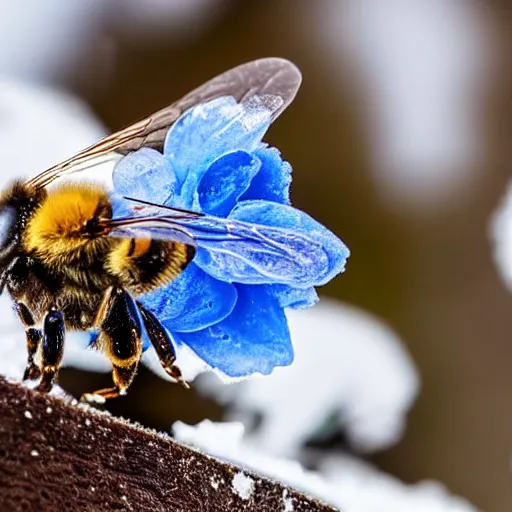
(256, 254)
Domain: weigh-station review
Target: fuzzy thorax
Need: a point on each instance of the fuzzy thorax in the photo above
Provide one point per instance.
(60, 229)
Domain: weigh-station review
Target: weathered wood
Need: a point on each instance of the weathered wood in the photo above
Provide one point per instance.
(59, 456)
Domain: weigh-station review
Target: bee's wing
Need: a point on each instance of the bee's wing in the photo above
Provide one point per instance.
(233, 250)
(271, 82)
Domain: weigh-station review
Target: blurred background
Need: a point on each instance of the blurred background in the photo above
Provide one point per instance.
(399, 141)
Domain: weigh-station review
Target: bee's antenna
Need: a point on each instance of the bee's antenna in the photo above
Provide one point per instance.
(165, 207)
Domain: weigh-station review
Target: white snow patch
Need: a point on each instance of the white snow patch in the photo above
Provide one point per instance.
(225, 439)
(347, 364)
(28, 415)
(287, 502)
(34, 453)
(214, 482)
(243, 485)
(344, 482)
(58, 392)
(501, 237)
(362, 488)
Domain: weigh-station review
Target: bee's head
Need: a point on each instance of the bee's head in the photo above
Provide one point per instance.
(17, 204)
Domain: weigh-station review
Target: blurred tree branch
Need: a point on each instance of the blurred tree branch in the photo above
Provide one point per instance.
(55, 455)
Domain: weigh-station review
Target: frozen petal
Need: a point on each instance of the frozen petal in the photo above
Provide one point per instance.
(208, 131)
(275, 244)
(283, 216)
(193, 301)
(253, 339)
(273, 180)
(145, 175)
(225, 181)
(295, 298)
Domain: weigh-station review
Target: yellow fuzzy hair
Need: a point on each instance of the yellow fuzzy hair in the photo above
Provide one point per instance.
(56, 228)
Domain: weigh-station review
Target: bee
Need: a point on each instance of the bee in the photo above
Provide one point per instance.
(69, 265)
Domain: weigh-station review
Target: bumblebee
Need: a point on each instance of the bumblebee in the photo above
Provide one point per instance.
(69, 265)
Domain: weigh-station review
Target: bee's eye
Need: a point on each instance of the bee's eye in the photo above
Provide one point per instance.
(7, 222)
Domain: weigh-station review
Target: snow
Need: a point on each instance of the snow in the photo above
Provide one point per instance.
(344, 482)
(347, 363)
(243, 485)
(501, 237)
(214, 483)
(287, 502)
(363, 488)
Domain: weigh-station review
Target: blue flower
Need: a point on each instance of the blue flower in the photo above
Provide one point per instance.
(227, 310)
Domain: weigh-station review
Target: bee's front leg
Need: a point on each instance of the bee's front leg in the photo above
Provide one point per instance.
(34, 338)
(120, 339)
(52, 348)
(162, 344)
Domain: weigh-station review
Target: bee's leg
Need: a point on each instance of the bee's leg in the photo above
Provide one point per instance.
(34, 338)
(14, 276)
(120, 339)
(162, 344)
(20, 282)
(52, 348)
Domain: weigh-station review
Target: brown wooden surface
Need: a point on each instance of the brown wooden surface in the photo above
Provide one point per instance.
(58, 456)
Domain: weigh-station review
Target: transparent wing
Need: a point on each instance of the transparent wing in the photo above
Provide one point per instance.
(233, 250)
(271, 83)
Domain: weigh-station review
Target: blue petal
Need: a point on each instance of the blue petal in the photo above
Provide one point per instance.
(283, 216)
(145, 175)
(225, 181)
(295, 298)
(273, 180)
(193, 301)
(253, 339)
(208, 131)
(275, 244)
